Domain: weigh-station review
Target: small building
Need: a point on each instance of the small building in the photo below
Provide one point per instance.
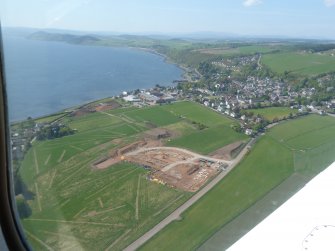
(148, 97)
(131, 98)
(248, 132)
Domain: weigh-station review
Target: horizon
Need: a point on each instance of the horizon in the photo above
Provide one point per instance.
(260, 18)
(196, 35)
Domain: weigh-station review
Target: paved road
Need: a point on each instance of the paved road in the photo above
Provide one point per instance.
(176, 214)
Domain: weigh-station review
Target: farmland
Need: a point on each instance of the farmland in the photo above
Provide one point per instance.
(77, 207)
(242, 50)
(300, 63)
(208, 140)
(271, 113)
(272, 161)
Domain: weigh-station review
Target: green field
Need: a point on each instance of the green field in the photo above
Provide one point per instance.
(217, 135)
(208, 140)
(243, 50)
(273, 112)
(75, 207)
(49, 119)
(300, 63)
(197, 113)
(270, 162)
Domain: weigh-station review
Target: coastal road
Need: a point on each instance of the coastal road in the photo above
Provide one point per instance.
(175, 215)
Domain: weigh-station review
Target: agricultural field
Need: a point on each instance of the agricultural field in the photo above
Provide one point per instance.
(49, 119)
(271, 113)
(243, 50)
(309, 64)
(208, 140)
(217, 135)
(75, 206)
(272, 161)
(194, 112)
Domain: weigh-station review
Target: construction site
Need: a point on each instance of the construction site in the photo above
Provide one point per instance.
(171, 166)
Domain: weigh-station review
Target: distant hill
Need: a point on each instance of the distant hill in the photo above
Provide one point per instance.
(68, 38)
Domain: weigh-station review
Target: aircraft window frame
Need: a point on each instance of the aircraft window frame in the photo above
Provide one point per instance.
(9, 221)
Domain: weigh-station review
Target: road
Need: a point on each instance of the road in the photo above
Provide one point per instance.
(175, 215)
(259, 61)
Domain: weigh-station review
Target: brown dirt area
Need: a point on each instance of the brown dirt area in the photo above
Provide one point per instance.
(169, 166)
(82, 111)
(90, 108)
(227, 151)
(107, 106)
(117, 155)
(188, 177)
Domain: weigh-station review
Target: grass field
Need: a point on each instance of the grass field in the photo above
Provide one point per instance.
(75, 207)
(243, 50)
(197, 113)
(208, 140)
(271, 162)
(273, 112)
(49, 119)
(217, 135)
(300, 63)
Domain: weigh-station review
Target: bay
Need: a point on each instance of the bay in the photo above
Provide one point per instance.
(44, 77)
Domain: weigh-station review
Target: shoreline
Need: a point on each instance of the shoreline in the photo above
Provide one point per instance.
(183, 77)
(186, 70)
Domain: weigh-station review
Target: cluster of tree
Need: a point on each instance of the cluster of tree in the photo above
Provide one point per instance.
(200, 126)
(237, 127)
(22, 206)
(207, 69)
(316, 47)
(22, 194)
(54, 131)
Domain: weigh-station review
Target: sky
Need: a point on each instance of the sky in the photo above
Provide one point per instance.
(291, 18)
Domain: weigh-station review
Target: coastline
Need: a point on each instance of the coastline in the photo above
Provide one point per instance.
(171, 82)
(186, 70)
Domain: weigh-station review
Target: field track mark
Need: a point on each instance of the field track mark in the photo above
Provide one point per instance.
(47, 160)
(77, 148)
(72, 174)
(38, 240)
(137, 196)
(77, 222)
(133, 127)
(38, 197)
(95, 180)
(62, 156)
(69, 167)
(106, 211)
(125, 119)
(169, 204)
(100, 202)
(62, 235)
(61, 205)
(80, 211)
(99, 191)
(114, 133)
(36, 163)
(76, 246)
(52, 178)
(117, 240)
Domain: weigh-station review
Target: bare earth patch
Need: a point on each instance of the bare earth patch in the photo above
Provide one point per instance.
(227, 152)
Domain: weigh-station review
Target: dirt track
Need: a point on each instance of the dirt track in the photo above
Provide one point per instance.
(176, 214)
